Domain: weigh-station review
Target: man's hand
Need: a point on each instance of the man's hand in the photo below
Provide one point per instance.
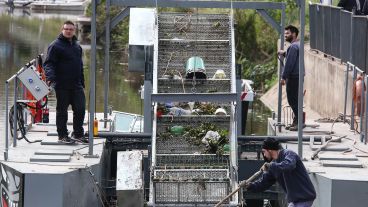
(281, 53)
(265, 167)
(244, 184)
(283, 82)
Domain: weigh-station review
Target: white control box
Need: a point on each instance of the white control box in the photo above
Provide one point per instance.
(32, 81)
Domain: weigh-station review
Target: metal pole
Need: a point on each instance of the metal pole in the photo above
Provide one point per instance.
(281, 68)
(107, 61)
(15, 135)
(6, 120)
(92, 75)
(346, 90)
(361, 111)
(352, 102)
(301, 80)
(366, 109)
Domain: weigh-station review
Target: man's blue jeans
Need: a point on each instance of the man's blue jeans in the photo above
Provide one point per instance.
(301, 204)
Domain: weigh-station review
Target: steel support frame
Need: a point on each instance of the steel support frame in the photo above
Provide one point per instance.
(301, 79)
(92, 78)
(229, 97)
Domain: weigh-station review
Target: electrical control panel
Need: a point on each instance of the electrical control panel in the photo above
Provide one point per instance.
(33, 82)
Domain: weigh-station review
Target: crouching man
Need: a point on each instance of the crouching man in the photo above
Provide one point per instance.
(285, 167)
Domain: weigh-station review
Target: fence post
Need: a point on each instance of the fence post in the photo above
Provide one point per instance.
(352, 102)
(362, 111)
(366, 109)
(346, 90)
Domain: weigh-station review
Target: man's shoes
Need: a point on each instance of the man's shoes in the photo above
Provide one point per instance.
(80, 139)
(66, 140)
(291, 125)
(295, 128)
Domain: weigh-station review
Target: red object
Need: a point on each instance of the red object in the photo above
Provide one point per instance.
(38, 113)
(243, 95)
(159, 114)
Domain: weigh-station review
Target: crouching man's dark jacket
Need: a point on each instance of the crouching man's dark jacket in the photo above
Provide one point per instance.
(289, 171)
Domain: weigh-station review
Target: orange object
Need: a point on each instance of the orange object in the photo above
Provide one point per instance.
(95, 127)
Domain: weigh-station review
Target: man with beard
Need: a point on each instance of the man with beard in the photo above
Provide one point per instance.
(290, 75)
(285, 167)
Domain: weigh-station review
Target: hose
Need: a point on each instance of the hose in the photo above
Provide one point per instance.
(20, 122)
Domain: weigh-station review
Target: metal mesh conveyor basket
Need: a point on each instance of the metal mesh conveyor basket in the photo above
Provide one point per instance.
(190, 191)
(167, 121)
(191, 26)
(183, 175)
(201, 86)
(192, 161)
(177, 145)
(192, 174)
(182, 36)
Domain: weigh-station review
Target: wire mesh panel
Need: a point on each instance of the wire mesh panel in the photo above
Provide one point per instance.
(359, 41)
(184, 36)
(192, 174)
(166, 121)
(345, 32)
(192, 161)
(174, 54)
(190, 26)
(335, 31)
(201, 86)
(312, 25)
(177, 145)
(191, 192)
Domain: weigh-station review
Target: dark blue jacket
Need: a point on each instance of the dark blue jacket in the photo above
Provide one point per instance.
(291, 68)
(64, 65)
(289, 171)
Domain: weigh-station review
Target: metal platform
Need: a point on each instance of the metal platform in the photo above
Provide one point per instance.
(52, 175)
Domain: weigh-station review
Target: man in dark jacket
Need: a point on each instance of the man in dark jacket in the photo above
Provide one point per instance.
(288, 170)
(64, 72)
(290, 75)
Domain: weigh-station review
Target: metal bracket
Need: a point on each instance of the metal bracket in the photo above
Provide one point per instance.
(269, 19)
(118, 18)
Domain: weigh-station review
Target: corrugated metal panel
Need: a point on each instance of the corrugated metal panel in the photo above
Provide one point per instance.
(319, 28)
(359, 41)
(312, 25)
(335, 32)
(345, 25)
(326, 21)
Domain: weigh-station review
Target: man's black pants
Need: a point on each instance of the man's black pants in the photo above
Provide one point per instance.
(292, 87)
(77, 99)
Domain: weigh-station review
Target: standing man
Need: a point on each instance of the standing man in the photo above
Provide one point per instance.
(290, 75)
(64, 72)
(288, 170)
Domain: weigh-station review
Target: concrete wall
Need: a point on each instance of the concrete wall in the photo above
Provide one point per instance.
(325, 84)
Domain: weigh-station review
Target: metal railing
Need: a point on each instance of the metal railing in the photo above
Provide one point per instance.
(363, 118)
(339, 33)
(15, 112)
